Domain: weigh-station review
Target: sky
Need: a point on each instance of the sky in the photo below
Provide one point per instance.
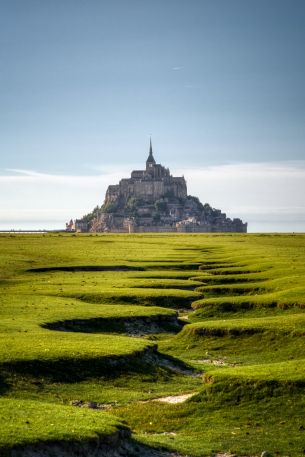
(219, 84)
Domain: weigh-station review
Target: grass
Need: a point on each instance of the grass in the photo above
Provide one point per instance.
(205, 427)
(30, 422)
(65, 301)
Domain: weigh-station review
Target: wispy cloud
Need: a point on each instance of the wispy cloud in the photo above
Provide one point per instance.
(178, 67)
(20, 171)
(193, 86)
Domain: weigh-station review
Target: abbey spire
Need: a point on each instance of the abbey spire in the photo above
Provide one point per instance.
(150, 159)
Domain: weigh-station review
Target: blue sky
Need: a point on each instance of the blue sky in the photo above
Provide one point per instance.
(218, 83)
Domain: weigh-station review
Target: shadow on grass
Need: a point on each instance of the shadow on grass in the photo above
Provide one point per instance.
(119, 444)
(175, 266)
(224, 308)
(233, 391)
(220, 291)
(79, 268)
(167, 301)
(4, 386)
(69, 370)
(229, 279)
(133, 326)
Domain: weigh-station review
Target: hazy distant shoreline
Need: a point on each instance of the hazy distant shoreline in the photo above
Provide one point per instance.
(253, 227)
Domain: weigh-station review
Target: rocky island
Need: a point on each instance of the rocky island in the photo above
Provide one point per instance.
(152, 200)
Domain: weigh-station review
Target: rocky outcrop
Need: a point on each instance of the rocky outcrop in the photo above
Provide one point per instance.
(152, 200)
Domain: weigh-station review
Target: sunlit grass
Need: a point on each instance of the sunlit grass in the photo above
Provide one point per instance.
(241, 297)
(28, 422)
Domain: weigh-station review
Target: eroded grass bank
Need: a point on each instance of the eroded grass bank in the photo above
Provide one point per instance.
(95, 328)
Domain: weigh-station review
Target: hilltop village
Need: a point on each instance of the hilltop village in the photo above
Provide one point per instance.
(152, 200)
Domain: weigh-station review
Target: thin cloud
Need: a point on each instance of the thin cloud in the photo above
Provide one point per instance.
(192, 86)
(31, 177)
(20, 171)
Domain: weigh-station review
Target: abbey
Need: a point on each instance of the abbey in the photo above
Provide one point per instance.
(152, 200)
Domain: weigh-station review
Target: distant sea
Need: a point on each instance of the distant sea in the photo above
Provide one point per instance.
(29, 226)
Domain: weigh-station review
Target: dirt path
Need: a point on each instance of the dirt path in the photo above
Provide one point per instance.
(174, 399)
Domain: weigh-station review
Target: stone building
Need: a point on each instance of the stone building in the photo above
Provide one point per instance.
(152, 200)
(70, 226)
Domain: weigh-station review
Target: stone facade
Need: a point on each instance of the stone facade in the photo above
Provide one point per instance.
(152, 200)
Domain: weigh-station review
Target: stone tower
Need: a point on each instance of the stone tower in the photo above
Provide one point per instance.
(150, 162)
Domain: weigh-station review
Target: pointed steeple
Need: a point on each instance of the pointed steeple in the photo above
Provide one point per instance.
(150, 156)
(150, 147)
